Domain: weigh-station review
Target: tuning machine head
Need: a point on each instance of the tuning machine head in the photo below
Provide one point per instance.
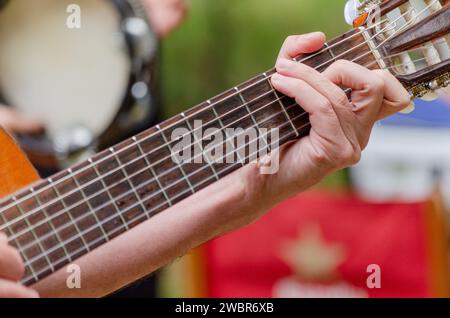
(357, 11)
(428, 91)
(443, 82)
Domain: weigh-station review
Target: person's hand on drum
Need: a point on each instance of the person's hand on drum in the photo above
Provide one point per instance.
(18, 123)
(165, 15)
(11, 271)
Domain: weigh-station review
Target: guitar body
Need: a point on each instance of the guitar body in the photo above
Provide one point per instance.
(16, 170)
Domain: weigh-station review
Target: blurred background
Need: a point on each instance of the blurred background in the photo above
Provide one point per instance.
(376, 230)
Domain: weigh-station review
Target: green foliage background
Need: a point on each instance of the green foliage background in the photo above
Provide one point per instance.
(224, 42)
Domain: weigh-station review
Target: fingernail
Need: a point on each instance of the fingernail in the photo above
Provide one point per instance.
(276, 78)
(313, 35)
(284, 64)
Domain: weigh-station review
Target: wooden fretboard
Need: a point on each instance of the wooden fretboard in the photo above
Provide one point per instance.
(68, 215)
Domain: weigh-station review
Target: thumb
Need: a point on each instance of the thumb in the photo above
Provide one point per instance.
(18, 123)
(21, 124)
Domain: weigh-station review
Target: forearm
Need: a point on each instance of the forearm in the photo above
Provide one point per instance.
(220, 208)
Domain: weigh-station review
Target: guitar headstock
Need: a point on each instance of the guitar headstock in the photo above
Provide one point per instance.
(412, 38)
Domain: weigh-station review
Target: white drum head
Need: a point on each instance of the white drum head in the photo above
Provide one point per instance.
(64, 77)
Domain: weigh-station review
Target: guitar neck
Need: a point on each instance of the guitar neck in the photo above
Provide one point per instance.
(62, 218)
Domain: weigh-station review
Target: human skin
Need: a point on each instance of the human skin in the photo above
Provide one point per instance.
(340, 131)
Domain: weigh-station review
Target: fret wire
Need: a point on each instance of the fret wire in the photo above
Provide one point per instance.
(282, 107)
(80, 189)
(70, 171)
(222, 127)
(350, 50)
(108, 192)
(128, 179)
(248, 109)
(4, 221)
(53, 229)
(158, 128)
(305, 59)
(180, 167)
(56, 191)
(155, 176)
(204, 181)
(333, 56)
(115, 170)
(173, 184)
(25, 257)
(40, 246)
(245, 89)
(294, 104)
(199, 143)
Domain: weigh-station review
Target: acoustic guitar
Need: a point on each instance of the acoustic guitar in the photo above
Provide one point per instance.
(55, 221)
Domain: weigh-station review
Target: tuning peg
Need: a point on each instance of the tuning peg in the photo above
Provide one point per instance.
(409, 109)
(351, 11)
(430, 96)
(443, 83)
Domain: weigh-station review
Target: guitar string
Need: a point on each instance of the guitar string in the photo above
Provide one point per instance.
(136, 218)
(99, 208)
(166, 189)
(139, 171)
(77, 204)
(95, 180)
(146, 183)
(325, 49)
(116, 198)
(127, 178)
(97, 226)
(300, 61)
(303, 114)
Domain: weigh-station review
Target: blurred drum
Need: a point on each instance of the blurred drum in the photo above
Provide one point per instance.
(90, 84)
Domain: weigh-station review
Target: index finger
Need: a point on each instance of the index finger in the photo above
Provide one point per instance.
(396, 97)
(295, 45)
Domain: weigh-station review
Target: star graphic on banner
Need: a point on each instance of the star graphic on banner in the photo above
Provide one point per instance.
(311, 257)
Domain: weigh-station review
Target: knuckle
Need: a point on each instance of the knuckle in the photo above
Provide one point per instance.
(351, 155)
(321, 158)
(405, 100)
(376, 84)
(304, 71)
(341, 98)
(325, 107)
(289, 40)
(340, 64)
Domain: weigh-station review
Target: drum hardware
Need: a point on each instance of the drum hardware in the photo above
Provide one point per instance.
(125, 38)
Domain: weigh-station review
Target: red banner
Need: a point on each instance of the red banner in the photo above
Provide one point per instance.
(319, 245)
